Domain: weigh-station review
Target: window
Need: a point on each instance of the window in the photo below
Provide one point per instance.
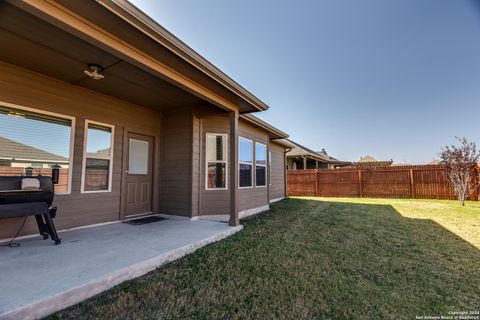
(31, 142)
(269, 168)
(245, 163)
(260, 165)
(216, 161)
(138, 157)
(97, 164)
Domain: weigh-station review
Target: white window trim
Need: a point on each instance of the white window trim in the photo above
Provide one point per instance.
(216, 161)
(261, 165)
(84, 160)
(269, 167)
(250, 164)
(72, 137)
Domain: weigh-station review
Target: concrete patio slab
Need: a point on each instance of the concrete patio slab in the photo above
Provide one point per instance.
(39, 278)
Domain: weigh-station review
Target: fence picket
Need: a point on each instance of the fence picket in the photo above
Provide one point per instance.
(419, 181)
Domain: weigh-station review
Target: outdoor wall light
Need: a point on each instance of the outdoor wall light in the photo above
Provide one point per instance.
(94, 71)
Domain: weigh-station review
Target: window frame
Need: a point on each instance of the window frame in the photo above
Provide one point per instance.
(84, 156)
(261, 165)
(250, 164)
(72, 137)
(225, 136)
(269, 167)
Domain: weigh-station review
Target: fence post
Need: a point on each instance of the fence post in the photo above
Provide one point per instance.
(360, 187)
(412, 184)
(474, 195)
(316, 183)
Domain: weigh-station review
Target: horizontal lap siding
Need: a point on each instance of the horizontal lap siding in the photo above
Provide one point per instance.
(277, 179)
(217, 201)
(32, 90)
(176, 172)
(257, 196)
(195, 165)
(213, 201)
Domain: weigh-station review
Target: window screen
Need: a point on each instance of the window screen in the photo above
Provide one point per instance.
(216, 161)
(260, 165)
(31, 143)
(245, 156)
(98, 158)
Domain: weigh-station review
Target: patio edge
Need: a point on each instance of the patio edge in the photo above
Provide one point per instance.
(52, 304)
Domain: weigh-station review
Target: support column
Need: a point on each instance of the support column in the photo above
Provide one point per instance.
(316, 164)
(304, 163)
(233, 161)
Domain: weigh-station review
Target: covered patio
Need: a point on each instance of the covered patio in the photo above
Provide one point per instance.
(39, 278)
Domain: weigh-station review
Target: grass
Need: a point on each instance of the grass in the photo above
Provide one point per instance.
(317, 258)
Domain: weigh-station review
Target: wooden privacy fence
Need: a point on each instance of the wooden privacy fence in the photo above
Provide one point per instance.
(421, 181)
(62, 185)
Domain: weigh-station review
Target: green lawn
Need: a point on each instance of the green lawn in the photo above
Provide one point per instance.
(317, 258)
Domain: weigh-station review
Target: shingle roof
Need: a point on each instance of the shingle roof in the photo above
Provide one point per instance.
(298, 150)
(11, 150)
(367, 158)
(369, 161)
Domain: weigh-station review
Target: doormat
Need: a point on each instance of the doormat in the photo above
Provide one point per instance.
(140, 221)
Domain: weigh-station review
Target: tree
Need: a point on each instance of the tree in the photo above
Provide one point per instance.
(460, 161)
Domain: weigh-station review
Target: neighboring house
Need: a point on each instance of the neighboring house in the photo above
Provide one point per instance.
(14, 154)
(369, 161)
(334, 163)
(434, 162)
(302, 158)
(150, 125)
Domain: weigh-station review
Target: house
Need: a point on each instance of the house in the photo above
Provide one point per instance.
(434, 162)
(301, 158)
(140, 122)
(21, 159)
(369, 161)
(19, 155)
(334, 163)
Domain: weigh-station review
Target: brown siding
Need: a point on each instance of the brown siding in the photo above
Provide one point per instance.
(217, 201)
(196, 162)
(176, 172)
(213, 201)
(32, 90)
(256, 196)
(277, 178)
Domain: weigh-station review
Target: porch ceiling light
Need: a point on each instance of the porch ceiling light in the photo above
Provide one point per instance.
(94, 70)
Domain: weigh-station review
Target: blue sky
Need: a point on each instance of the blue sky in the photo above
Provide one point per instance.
(390, 78)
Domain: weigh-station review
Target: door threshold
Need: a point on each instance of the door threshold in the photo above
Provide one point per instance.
(139, 215)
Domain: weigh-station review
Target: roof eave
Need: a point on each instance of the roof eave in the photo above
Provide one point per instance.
(273, 132)
(142, 22)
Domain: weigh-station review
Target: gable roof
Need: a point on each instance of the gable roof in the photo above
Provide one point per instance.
(369, 161)
(298, 151)
(367, 158)
(100, 154)
(331, 159)
(12, 150)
